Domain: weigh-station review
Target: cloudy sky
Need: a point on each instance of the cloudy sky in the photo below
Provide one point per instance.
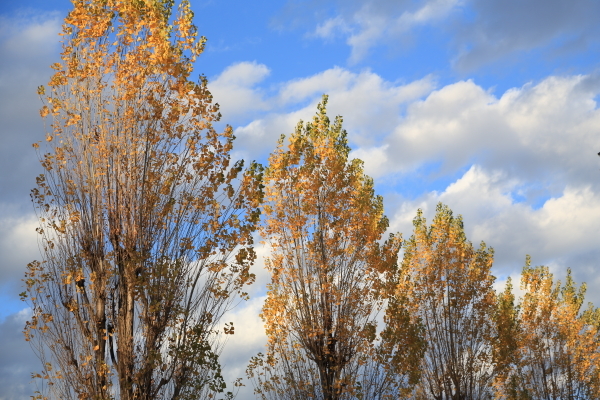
(490, 106)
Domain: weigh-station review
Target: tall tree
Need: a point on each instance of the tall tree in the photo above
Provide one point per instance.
(447, 284)
(146, 228)
(323, 224)
(557, 353)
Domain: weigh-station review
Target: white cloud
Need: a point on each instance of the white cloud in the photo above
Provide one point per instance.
(538, 132)
(243, 74)
(259, 138)
(18, 245)
(371, 107)
(336, 78)
(375, 159)
(235, 89)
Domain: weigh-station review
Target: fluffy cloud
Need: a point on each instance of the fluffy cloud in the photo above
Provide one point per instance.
(540, 132)
(371, 107)
(537, 132)
(18, 245)
(235, 89)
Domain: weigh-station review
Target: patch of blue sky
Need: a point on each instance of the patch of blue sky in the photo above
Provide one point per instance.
(425, 179)
(242, 31)
(501, 277)
(467, 14)
(12, 7)
(292, 52)
(533, 195)
(9, 303)
(535, 202)
(539, 201)
(423, 51)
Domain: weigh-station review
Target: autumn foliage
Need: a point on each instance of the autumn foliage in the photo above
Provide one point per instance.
(323, 224)
(447, 284)
(147, 227)
(554, 346)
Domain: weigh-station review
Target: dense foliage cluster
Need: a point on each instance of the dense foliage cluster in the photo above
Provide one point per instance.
(147, 237)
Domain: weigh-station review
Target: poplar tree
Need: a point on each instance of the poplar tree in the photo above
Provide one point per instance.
(145, 224)
(446, 283)
(329, 272)
(556, 344)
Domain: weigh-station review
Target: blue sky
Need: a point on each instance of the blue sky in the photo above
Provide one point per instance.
(490, 106)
